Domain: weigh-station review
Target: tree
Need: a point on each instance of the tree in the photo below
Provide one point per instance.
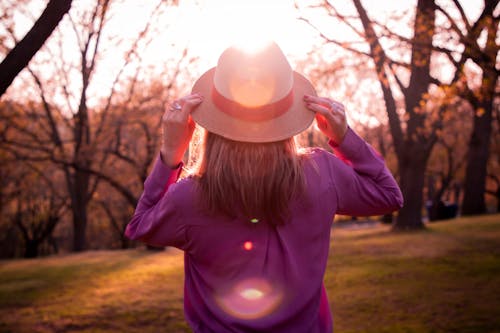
(19, 57)
(494, 163)
(133, 133)
(445, 170)
(482, 98)
(415, 132)
(32, 205)
(413, 147)
(38, 211)
(71, 134)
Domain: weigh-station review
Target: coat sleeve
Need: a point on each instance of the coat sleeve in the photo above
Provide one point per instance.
(363, 184)
(156, 220)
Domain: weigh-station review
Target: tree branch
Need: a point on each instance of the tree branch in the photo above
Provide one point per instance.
(19, 57)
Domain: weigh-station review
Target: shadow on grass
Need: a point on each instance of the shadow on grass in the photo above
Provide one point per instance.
(108, 291)
(34, 279)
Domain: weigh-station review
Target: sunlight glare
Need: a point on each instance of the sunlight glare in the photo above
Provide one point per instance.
(251, 293)
(251, 298)
(249, 25)
(248, 245)
(251, 43)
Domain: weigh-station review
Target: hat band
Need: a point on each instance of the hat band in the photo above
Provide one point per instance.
(253, 114)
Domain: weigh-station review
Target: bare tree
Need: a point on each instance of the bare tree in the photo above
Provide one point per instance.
(415, 132)
(38, 211)
(482, 98)
(132, 145)
(74, 138)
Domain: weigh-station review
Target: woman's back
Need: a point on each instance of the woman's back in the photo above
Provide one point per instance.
(245, 275)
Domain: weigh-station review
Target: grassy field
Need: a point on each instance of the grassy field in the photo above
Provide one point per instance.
(443, 279)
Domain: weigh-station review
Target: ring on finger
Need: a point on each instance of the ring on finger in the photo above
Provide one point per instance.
(335, 106)
(175, 106)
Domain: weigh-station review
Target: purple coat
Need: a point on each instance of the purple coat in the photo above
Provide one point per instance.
(242, 276)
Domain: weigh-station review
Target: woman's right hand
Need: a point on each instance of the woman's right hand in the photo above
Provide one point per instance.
(178, 128)
(330, 116)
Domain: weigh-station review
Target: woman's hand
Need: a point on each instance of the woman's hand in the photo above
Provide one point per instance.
(330, 116)
(178, 129)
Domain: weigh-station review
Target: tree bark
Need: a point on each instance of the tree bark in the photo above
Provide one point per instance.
(79, 228)
(31, 249)
(477, 160)
(412, 178)
(484, 103)
(21, 54)
(79, 205)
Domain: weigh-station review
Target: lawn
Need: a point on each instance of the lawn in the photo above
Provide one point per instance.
(443, 279)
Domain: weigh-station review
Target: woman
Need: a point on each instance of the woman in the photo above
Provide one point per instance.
(254, 219)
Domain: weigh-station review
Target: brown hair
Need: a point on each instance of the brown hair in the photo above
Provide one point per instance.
(255, 179)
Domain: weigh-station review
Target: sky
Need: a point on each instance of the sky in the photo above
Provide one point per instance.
(207, 27)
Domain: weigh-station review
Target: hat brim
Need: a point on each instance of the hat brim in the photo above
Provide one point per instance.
(294, 121)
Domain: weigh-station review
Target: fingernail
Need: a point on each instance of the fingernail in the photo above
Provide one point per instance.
(306, 96)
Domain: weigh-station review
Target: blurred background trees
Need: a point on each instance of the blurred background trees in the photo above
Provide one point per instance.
(418, 96)
(79, 126)
(98, 146)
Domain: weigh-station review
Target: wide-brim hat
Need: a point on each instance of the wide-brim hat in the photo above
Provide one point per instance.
(253, 96)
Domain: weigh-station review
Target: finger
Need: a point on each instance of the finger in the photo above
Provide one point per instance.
(178, 103)
(318, 100)
(189, 104)
(337, 107)
(189, 97)
(173, 106)
(193, 95)
(318, 108)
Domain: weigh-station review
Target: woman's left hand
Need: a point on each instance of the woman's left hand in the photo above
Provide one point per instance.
(330, 117)
(178, 127)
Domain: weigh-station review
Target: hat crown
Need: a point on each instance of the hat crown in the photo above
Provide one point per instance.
(253, 79)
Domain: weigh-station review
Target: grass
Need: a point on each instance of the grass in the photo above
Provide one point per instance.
(443, 279)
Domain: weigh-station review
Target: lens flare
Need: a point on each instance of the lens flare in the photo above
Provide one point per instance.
(252, 43)
(248, 245)
(250, 299)
(251, 294)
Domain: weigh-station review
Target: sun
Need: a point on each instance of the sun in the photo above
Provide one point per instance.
(214, 25)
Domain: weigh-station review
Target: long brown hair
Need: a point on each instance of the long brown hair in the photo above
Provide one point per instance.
(257, 180)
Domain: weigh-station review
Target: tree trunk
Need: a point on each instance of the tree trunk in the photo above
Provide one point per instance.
(21, 54)
(484, 103)
(412, 149)
(479, 147)
(79, 205)
(125, 242)
(412, 178)
(497, 194)
(477, 159)
(31, 248)
(79, 227)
